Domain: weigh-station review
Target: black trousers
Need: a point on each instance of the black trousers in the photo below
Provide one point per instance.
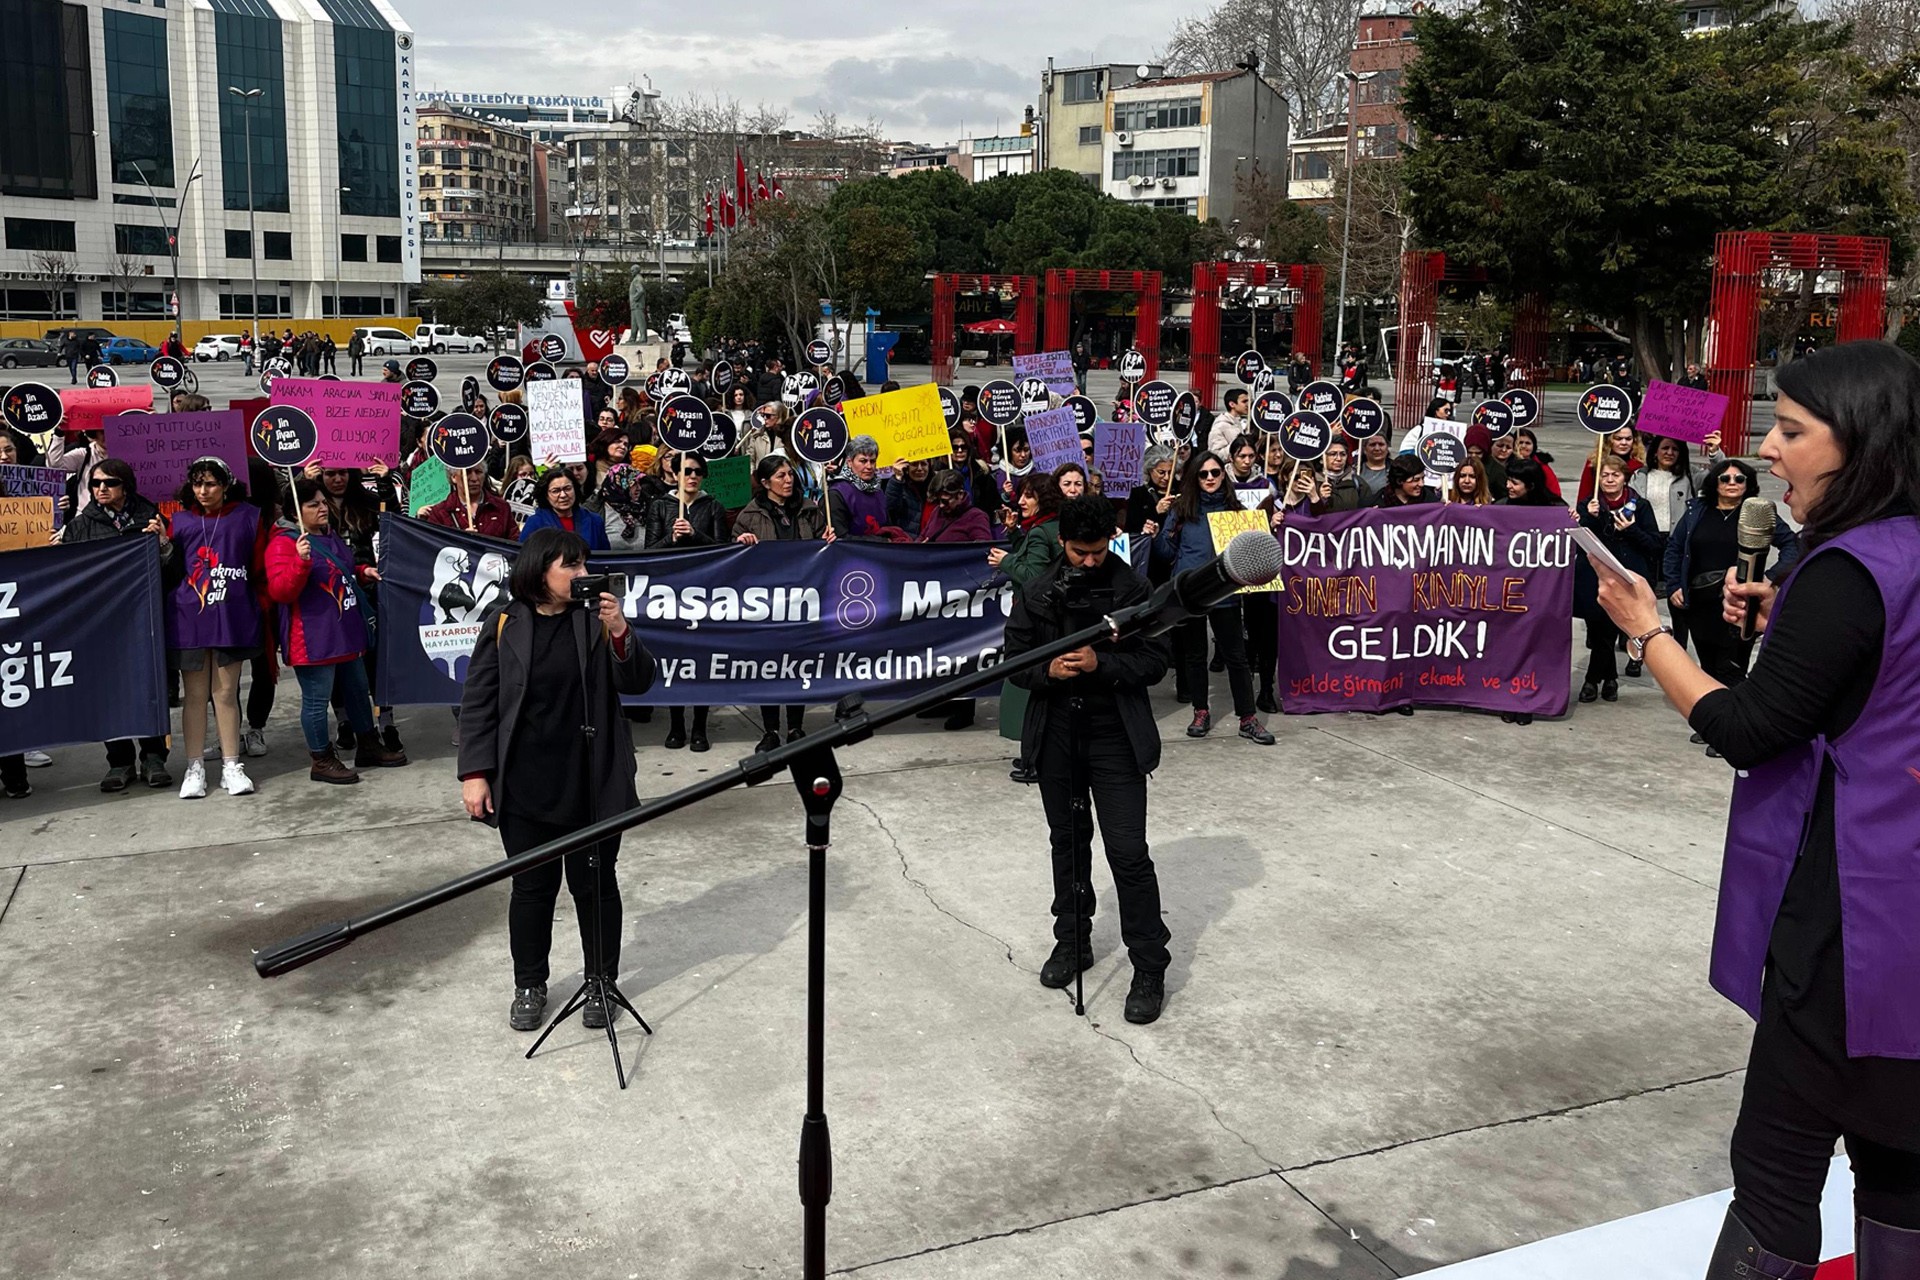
(770, 718)
(1602, 636)
(260, 691)
(1117, 791)
(530, 910)
(1723, 654)
(120, 752)
(1782, 1145)
(1226, 623)
(1263, 639)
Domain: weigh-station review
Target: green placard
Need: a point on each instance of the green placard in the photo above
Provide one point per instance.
(427, 486)
(730, 481)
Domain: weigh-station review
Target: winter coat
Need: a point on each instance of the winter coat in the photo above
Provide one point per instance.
(323, 616)
(857, 513)
(768, 523)
(1034, 552)
(1678, 563)
(1189, 544)
(94, 524)
(907, 507)
(585, 523)
(491, 516)
(704, 513)
(968, 524)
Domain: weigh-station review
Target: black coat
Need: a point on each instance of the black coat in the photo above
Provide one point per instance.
(1127, 669)
(93, 524)
(497, 686)
(704, 513)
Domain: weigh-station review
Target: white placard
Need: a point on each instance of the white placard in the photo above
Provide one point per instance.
(555, 425)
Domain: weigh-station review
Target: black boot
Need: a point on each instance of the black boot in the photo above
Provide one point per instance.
(1738, 1256)
(1060, 967)
(1144, 998)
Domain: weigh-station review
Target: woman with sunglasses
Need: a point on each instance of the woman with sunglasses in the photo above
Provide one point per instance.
(1703, 546)
(556, 501)
(687, 517)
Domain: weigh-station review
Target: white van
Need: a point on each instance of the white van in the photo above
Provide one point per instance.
(440, 338)
(387, 342)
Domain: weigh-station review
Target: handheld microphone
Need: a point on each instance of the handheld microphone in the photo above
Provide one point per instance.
(1755, 534)
(1252, 559)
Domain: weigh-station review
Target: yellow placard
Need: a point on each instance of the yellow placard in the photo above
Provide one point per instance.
(25, 522)
(908, 424)
(1226, 525)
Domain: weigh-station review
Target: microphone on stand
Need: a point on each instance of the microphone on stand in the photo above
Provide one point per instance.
(1252, 559)
(1755, 534)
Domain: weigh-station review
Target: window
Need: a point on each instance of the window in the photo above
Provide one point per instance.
(165, 202)
(365, 305)
(1177, 162)
(1384, 86)
(387, 248)
(1380, 140)
(139, 107)
(38, 304)
(46, 99)
(239, 245)
(1089, 135)
(1081, 86)
(43, 234)
(239, 306)
(1187, 205)
(1156, 113)
(353, 248)
(278, 246)
(140, 237)
(367, 113)
(248, 55)
(115, 305)
(1312, 166)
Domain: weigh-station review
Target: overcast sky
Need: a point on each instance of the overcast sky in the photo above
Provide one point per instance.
(932, 71)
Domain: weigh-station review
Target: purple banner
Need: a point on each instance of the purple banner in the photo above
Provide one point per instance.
(1446, 606)
(160, 446)
(1055, 437)
(1055, 368)
(1680, 413)
(1119, 449)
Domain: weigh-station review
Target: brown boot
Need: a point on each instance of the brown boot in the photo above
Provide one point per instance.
(327, 768)
(373, 754)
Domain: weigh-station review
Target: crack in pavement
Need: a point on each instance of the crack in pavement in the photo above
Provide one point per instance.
(12, 889)
(906, 873)
(1353, 1237)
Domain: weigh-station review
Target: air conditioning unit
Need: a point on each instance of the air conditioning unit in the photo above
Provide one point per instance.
(1167, 183)
(1123, 139)
(1137, 181)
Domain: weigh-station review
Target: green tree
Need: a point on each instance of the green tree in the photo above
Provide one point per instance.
(487, 302)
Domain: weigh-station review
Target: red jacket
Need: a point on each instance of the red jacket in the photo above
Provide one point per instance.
(315, 628)
(491, 516)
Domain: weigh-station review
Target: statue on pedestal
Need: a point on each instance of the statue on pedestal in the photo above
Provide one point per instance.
(637, 306)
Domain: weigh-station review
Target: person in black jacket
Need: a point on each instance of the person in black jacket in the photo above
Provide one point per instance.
(1624, 521)
(1104, 687)
(117, 510)
(687, 517)
(545, 751)
(771, 383)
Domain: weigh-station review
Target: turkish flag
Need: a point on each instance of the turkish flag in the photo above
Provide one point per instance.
(709, 213)
(741, 195)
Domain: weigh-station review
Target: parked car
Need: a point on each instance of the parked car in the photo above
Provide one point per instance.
(129, 351)
(28, 353)
(217, 346)
(389, 342)
(84, 330)
(438, 338)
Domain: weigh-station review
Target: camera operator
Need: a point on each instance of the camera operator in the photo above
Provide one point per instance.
(1092, 703)
(544, 751)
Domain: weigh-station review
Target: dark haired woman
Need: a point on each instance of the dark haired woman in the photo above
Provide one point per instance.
(556, 500)
(777, 513)
(1370, 473)
(1527, 485)
(1185, 542)
(983, 484)
(213, 619)
(1406, 484)
(310, 573)
(1820, 884)
(1624, 522)
(1670, 482)
(1527, 445)
(544, 751)
(1017, 466)
(117, 510)
(687, 517)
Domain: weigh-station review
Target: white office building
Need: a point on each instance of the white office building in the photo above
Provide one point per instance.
(121, 123)
(1190, 142)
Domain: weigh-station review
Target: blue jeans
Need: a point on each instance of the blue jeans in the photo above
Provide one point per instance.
(316, 695)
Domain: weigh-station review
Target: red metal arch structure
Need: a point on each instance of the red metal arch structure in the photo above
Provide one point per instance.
(1210, 277)
(1741, 260)
(948, 285)
(1421, 275)
(1063, 284)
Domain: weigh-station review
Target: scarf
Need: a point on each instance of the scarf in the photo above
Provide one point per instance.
(864, 486)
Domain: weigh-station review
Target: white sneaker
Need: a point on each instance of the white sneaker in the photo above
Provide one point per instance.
(234, 779)
(194, 785)
(254, 742)
(38, 760)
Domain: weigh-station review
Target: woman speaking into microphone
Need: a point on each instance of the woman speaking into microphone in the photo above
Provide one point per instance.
(1818, 930)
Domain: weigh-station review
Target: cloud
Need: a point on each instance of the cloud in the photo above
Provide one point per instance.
(931, 97)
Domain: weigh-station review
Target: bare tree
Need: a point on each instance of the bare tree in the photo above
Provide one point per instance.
(57, 269)
(1303, 47)
(123, 269)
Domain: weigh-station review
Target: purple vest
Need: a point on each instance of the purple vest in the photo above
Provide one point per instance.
(213, 607)
(1876, 824)
(331, 613)
(862, 508)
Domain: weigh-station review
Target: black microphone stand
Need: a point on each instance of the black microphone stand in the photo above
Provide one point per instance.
(816, 775)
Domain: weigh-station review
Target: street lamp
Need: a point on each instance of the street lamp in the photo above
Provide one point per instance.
(337, 255)
(1251, 64)
(172, 233)
(1353, 79)
(247, 97)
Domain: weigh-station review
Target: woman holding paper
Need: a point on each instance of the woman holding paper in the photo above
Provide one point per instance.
(1820, 883)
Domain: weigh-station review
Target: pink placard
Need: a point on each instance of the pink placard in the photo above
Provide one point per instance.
(88, 408)
(358, 421)
(1680, 413)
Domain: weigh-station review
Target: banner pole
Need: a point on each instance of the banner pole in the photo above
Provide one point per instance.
(826, 498)
(299, 512)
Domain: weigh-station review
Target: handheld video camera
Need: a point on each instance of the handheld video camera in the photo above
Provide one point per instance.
(587, 589)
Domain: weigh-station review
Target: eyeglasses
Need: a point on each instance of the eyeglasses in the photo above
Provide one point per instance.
(1208, 473)
(1734, 479)
(101, 482)
(695, 472)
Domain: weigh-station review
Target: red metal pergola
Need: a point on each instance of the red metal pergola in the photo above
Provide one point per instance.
(947, 286)
(1421, 275)
(1740, 261)
(1210, 277)
(1063, 284)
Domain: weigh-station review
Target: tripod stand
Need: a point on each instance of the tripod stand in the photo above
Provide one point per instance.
(612, 999)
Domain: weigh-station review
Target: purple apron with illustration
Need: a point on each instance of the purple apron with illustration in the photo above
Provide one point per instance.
(333, 622)
(1876, 824)
(213, 607)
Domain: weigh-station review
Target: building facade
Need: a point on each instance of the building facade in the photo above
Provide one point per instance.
(1072, 126)
(128, 142)
(982, 158)
(1383, 47)
(480, 181)
(1189, 143)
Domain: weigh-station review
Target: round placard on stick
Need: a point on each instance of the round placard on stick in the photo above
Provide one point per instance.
(505, 373)
(167, 372)
(541, 371)
(614, 370)
(1185, 419)
(32, 407)
(685, 423)
(949, 406)
(1604, 409)
(1323, 398)
(1495, 416)
(1441, 452)
(820, 435)
(422, 369)
(719, 443)
(1304, 436)
(459, 440)
(1035, 395)
(1524, 404)
(469, 392)
(102, 376)
(1363, 419)
(418, 399)
(553, 347)
(1085, 415)
(818, 352)
(834, 391)
(284, 436)
(1265, 380)
(1153, 403)
(1270, 411)
(1249, 366)
(1133, 365)
(509, 423)
(999, 404)
(720, 378)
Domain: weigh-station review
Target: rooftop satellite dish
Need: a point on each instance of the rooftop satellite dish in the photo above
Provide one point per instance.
(1144, 71)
